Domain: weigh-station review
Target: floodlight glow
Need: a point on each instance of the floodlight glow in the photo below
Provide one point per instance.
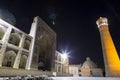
(64, 55)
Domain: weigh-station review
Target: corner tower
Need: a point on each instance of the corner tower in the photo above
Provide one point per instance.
(111, 58)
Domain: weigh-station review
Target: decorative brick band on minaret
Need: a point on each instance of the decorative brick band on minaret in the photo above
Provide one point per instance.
(111, 58)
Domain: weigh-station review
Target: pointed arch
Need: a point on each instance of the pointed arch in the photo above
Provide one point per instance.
(14, 38)
(2, 32)
(9, 58)
(23, 61)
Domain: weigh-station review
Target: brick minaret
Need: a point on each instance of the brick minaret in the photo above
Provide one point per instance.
(111, 58)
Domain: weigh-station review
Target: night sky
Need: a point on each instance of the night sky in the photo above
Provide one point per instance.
(73, 21)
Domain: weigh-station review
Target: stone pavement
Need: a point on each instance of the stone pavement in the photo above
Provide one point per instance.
(85, 78)
(21, 72)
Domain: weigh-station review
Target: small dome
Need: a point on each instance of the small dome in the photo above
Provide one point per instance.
(89, 64)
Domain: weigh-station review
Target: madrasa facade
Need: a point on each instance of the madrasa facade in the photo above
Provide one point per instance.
(32, 51)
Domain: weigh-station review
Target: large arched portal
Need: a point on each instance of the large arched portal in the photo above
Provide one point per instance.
(45, 52)
(44, 39)
(9, 58)
(23, 61)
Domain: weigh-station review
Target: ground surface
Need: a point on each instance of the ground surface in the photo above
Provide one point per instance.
(21, 72)
(84, 78)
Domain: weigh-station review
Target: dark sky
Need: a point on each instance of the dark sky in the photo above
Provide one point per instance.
(75, 23)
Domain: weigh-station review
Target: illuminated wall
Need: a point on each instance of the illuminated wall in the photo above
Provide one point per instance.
(43, 45)
(13, 50)
(61, 63)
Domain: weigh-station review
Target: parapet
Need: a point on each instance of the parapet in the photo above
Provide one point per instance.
(102, 21)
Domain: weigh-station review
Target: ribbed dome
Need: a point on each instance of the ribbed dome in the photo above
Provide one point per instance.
(89, 64)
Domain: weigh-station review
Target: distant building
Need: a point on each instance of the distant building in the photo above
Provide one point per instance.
(75, 70)
(58, 62)
(61, 63)
(89, 68)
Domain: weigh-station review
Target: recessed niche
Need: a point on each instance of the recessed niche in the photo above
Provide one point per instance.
(9, 57)
(15, 37)
(27, 43)
(23, 61)
(2, 31)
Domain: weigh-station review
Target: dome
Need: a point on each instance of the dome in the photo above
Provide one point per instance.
(89, 64)
(7, 16)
